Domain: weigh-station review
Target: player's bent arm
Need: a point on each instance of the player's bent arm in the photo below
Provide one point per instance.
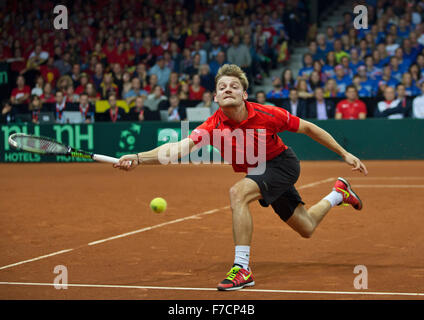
(323, 137)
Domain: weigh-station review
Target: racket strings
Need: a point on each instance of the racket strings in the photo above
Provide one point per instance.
(40, 145)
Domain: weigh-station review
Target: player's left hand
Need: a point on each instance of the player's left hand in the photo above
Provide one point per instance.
(355, 163)
(127, 162)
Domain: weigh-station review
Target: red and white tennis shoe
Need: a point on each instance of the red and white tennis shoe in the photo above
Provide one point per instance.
(237, 278)
(349, 196)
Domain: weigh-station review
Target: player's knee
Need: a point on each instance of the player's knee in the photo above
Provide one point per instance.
(237, 195)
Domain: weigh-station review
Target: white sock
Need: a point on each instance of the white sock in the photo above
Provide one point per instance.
(242, 256)
(334, 198)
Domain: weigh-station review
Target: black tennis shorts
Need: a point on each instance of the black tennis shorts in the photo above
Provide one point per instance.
(277, 184)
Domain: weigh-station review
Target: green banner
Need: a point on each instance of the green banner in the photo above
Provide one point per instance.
(368, 139)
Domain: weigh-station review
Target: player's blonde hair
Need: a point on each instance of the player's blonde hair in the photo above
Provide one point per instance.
(232, 70)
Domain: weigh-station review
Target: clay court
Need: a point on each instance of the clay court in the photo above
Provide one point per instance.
(96, 221)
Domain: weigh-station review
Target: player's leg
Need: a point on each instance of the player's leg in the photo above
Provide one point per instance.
(241, 194)
(306, 221)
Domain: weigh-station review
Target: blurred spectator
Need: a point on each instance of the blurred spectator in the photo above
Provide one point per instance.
(173, 84)
(239, 54)
(331, 90)
(307, 68)
(75, 74)
(20, 94)
(63, 63)
(161, 71)
(7, 112)
(93, 95)
(278, 92)
(154, 98)
(196, 90)
(174, 108)
(71, 96)
(86, 109)
(134, 92)
(137, 112)
(219, 61)
(304, 91)
(207, 80)
(296, 106)
(184, 90)
(320, 108)
(107, 86)
(114, 113)
(410, 88)
(60, 106)
(314, 81)
(338, 51)
(49, 72)
(36, 58)
(351, 107)
(261, 98)
(287, 80)
(39, 85)
(342, 80)
(199, 50)
(405, 103)
(330, 64)
(48, 96)
(186, 61)
(98, 75)
(362, 91)
(418, 104)
(213, 48)
(207, 102)
(83, 80)
(389, 108)
(35, 108)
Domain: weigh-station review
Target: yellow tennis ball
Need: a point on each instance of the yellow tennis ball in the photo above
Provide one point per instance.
(158, 205)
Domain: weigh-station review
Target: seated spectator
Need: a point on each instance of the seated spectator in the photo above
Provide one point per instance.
(39, 85)
(339, 53)
(21, 93)
(404, 63)
(207, 102)
(195, 89)
(36, 58)
(153, 99)
(307, 68)
(387, 77)
(320, 108)
(184, 90)
(34, 108)
(173, 84)
(303, 90)
(331, 90)
(322, 47)
(174, 108)
(287, 80)
(410, 88)
(153, 81)
(83, 80)
(107, 86)
(396, 70)
(76, 74)
(213, 48)
(238, 53)
(195, 67)
(351, 107)
(391, 45)
(418, 104)
(71, 96)
(93, 95)
(389, 108)
(315, 80)
(135, 91)
(49, 72)
(114, 113)
(126, 83)
(207, 80)
(362, 91)
(342, 80)
(86, 109)
(373, 72)
(48, 96)
(278, 92)
(161, 71)
(7, 113)
(97, 77)
(405, 102)
(415, 72)
(218, 62)
(330, 64)
(137, 112)
(60, 106)
(355, 62)
(296, 106)
(261, 98)
(346, 67)
(63, 63)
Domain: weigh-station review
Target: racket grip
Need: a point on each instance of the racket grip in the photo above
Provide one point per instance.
(102, 158)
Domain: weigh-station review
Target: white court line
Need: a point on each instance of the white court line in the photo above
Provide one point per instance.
(214, 289)
(145, 229)
(385, 178)
(389, 186)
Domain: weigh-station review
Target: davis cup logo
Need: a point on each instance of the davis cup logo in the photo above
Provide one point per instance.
(128, 137)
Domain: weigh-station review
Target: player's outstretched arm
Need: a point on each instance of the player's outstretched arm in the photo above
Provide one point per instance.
(323, 137)
(162, 154)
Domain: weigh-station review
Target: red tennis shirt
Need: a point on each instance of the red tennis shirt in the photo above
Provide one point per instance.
(221, 132)
(351, 110)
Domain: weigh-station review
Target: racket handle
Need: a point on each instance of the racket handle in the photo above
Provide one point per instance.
(102, 158)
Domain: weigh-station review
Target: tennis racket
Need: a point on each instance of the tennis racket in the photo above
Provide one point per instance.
(47, 146)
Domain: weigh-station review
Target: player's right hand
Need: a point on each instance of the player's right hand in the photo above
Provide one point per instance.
(127, 162)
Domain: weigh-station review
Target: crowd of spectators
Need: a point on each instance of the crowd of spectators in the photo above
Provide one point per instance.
(144, 53)
(384, 62)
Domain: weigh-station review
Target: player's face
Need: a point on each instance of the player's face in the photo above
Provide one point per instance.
(230, 92)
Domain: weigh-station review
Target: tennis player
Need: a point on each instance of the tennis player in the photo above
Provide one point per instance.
(275, 186)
